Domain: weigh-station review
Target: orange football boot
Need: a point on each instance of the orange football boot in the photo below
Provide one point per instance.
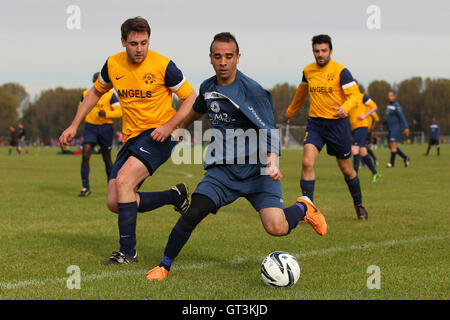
(313, 216)
(157, 273)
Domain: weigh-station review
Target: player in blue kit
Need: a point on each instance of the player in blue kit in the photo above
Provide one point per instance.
(396, 123)
(237, 104)
(434, 139)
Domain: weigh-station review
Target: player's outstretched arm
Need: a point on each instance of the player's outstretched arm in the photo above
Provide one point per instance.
(297, 102)
(161, 133)
(89, 101)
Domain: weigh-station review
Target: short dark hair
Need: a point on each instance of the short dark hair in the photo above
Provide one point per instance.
(322, 38)
(224, 37)
(137, 24)
(95, 76)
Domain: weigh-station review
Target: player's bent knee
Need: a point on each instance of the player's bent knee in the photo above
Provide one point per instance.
(112, 206)
(276, 229)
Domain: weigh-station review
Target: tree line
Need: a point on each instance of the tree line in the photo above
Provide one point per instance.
(54, 109)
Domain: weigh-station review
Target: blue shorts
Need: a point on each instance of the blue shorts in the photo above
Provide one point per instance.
(335, 133)
(151, 153)
(360, 136)
(99, 134)
(394, 134)
(223, 185)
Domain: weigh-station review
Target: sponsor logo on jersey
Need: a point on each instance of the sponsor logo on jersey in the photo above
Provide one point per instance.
(134, 93)
(319, 89)
(215, 107)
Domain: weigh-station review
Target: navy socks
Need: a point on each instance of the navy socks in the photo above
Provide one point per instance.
(355, 190)
(85, 175)
(307, 187)
(127, 227)
(368, 161)
(294, 214)
(153, 200)
(356, 159)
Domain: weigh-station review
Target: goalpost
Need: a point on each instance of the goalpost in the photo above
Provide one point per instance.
(291, 136)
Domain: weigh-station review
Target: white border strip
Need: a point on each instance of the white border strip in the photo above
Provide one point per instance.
(238, 260)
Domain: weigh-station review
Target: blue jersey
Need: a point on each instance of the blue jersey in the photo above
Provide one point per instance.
(242, 123)
(395, 118)
(435, 131)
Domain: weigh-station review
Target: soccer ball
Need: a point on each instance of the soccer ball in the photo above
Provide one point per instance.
(280, 269)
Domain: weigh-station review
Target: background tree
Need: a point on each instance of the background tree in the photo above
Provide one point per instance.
(52, 111)
(409, 95)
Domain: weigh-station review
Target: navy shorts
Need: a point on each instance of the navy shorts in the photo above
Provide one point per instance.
(335, 133)
(151, 153)
(360, 136)
(433, 141)
(223, 184)
(99, 134)
(394, 134)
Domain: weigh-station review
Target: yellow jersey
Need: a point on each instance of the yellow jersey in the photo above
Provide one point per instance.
(329, 86)
(144, 90)
(364, 105)
(372, 119)
(108, 103)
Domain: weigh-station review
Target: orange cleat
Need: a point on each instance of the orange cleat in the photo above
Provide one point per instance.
(157, 273)
(313, 216)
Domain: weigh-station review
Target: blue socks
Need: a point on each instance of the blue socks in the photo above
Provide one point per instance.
(127, 227)
(294, 214)
(355, 190)
(177, 239)
(368, 161)
(356, 159)
(400, 153)
(85, 175)
(307, 187)
(153, 200)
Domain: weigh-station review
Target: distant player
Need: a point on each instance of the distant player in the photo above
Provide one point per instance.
(144, 81)
(372, 122)
(359, 126)
(396, 123)
(13, 141)
(22, 142)
(333, 92)
(98, 129)
(435, 134)
(234, 102)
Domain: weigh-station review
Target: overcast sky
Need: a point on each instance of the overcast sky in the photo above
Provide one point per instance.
(39, 50)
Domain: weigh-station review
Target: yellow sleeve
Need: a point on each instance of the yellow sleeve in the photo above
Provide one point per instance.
(353, 96)
(299, 99)
(375, 117)
(116, 112)
(184, 90)
(101, 87)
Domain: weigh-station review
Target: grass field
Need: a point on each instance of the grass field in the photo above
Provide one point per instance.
(45, 228)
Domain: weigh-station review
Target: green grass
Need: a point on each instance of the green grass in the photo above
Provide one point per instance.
(45, 227)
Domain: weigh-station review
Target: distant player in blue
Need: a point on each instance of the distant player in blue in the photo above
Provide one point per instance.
(396, 123)
(434, 139)
(237, 104)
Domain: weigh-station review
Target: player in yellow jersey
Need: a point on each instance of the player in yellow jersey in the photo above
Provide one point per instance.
(144, 81)
(332, 92)
(359, 126)
(371, 123)
(98, 129)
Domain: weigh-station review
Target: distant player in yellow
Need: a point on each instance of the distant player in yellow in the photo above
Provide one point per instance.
(371, 123)
(332, 92)
(98, 129)
(144, 81)
(359, 126)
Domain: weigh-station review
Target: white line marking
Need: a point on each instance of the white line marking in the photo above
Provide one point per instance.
(184, 173)
(237, 260)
